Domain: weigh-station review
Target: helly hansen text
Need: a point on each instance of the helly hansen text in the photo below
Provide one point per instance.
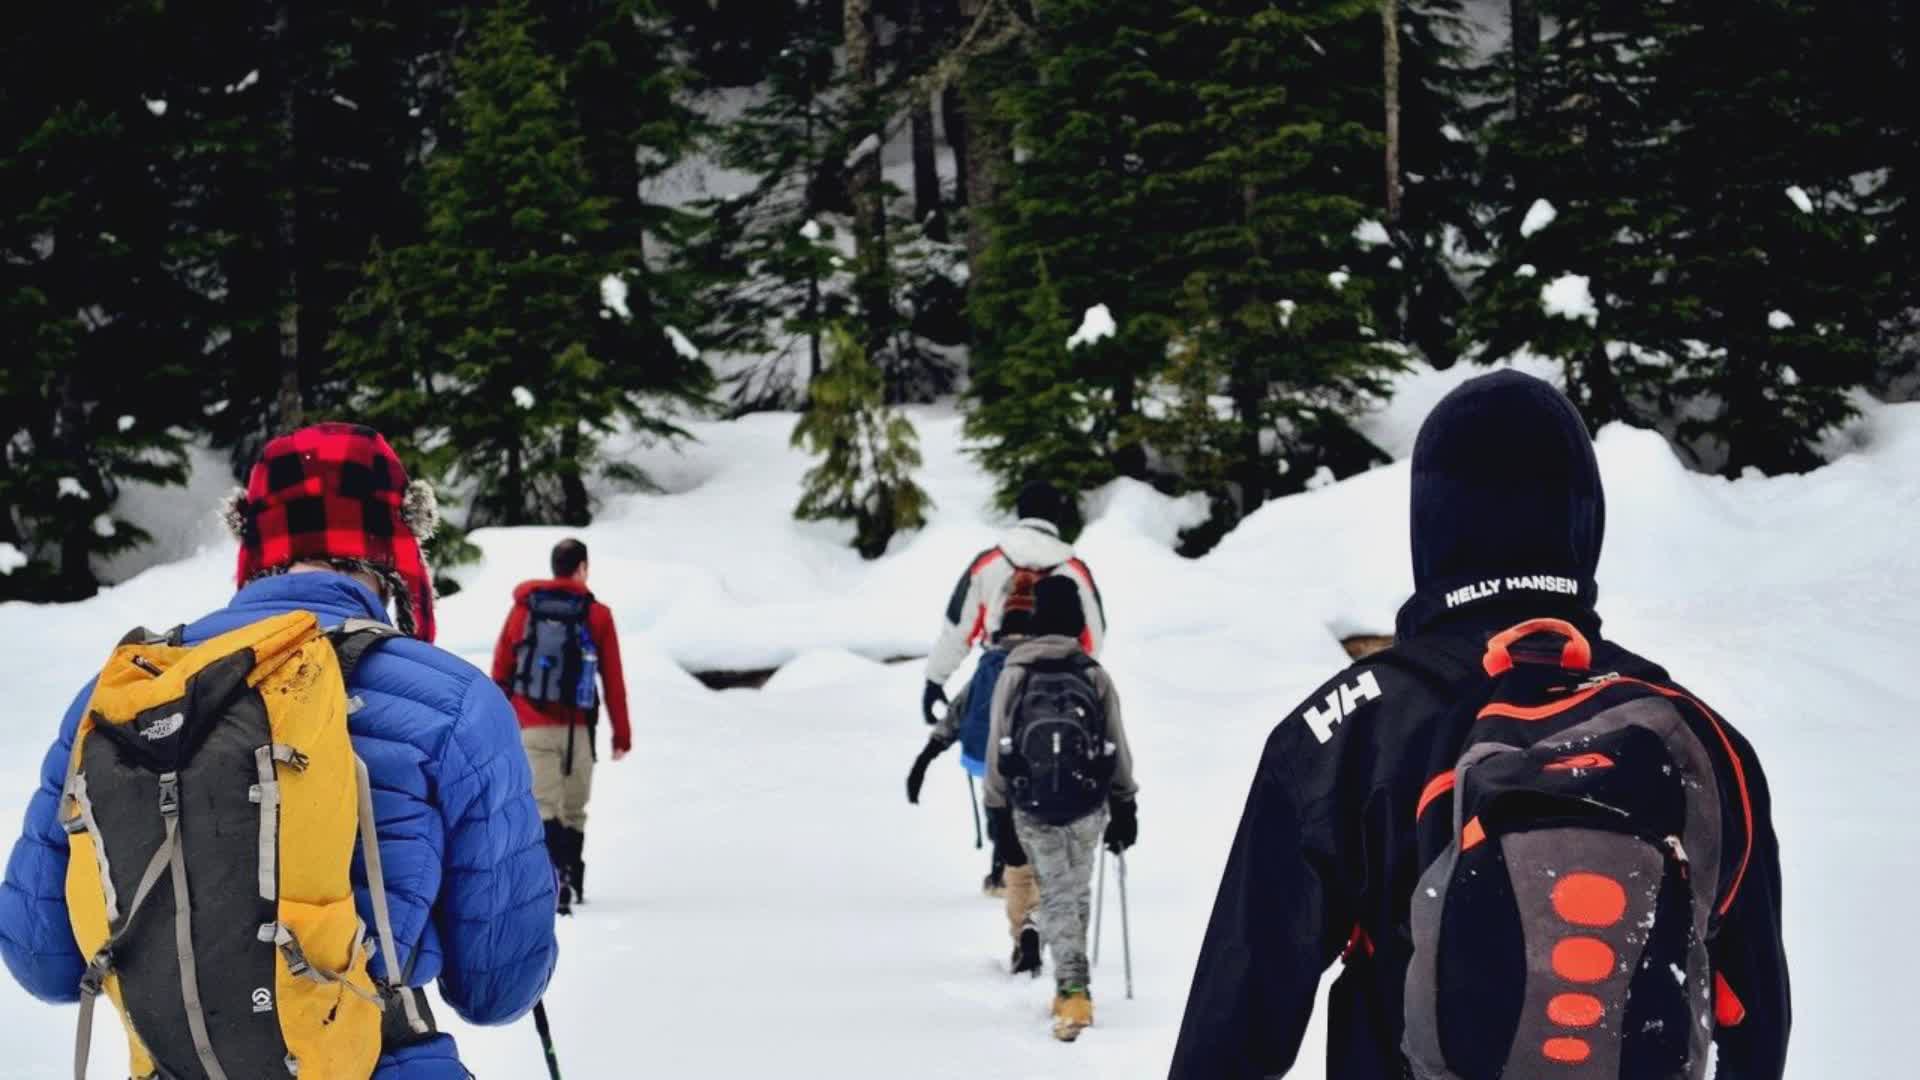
(1480, 590)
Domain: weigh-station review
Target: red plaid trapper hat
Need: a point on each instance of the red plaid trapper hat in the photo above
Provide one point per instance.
(335, 492)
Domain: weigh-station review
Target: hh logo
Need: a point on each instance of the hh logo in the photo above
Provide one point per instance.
(1340, 703)
(262, 1000)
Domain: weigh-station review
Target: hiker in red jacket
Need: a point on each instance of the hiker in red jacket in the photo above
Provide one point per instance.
(556, 640)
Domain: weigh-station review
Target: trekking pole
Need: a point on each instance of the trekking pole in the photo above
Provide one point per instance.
(546, 1038)
(1099, 902)
(974, 800)
(1126, 940)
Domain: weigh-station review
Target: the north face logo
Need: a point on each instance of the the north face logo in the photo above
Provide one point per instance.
(262, 1000)
(164, 727)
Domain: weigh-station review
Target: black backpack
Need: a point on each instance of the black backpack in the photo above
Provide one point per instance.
(1575, 860)
(1055, 755)
(552, 655)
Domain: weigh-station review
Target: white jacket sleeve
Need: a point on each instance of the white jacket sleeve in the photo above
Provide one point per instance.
(957, 626)
(1094, 637)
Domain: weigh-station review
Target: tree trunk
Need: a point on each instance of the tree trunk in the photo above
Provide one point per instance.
(76, 581)
(286, 231)
(987, 156)
(926, 170)
(1526, 55)
(575, 508)
(954, 120)
(864, 180)
(1129, 454)
(1248, 467)
(1390, 20)
(513, 494)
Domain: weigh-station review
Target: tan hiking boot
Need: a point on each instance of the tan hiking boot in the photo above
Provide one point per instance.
(1072, 1013)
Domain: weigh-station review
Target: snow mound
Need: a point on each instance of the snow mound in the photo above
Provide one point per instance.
(1570, 296)
(1539, 216)
(820, 668)
(686, 349)
(1096, 325)
(613, 295)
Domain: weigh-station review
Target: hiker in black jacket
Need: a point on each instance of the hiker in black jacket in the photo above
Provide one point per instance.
(1507, 520)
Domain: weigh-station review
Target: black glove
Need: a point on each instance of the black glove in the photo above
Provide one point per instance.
(918, 774)
(1123, 828)
(1006, 843)
(936, 694)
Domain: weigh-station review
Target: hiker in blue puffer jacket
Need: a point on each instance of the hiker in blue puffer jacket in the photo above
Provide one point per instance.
(467, 876)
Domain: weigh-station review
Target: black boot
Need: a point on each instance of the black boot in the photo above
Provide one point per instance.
(995, 883)
(562, 864)
(577, 866)
(1026, 951)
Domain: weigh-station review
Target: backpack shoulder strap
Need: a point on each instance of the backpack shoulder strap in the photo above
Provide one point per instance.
(140, 635)
(353, 639)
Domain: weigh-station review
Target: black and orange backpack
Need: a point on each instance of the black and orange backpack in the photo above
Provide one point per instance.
(1576, 858)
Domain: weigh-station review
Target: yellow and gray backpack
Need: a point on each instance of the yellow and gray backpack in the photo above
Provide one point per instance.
(212, 803)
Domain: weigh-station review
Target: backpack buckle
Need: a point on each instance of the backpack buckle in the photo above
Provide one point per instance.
(170, 794)
(98, 968)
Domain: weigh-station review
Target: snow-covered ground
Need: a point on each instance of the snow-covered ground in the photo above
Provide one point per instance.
(765, 902)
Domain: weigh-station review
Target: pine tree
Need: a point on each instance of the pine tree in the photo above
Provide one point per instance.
(1768, 118)
(1083, 220)
(301, 144)
(1039, 422)
(1705, 268)
(524, 343)
(1420, 302)
(867, 452)
(773, 279)
(99, 322)
(1272, 293)
(1580, 189)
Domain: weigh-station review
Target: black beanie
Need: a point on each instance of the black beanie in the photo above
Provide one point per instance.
(1041, 500)
(1505, 482)
(1056, 608)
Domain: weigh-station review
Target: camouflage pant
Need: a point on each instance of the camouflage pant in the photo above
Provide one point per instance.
(1063, 860)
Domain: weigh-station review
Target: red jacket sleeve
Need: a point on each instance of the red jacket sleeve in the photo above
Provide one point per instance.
(503, 658)
(613, 680)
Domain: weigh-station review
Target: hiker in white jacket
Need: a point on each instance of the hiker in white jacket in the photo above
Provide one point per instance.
(1001, 579)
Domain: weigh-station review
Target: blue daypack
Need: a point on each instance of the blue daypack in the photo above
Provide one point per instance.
(975, 726)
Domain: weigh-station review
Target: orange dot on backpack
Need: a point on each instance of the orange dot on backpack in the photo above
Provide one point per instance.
(1583, 959)
(1575, 1010)
(1567, 1051)
(1590, 900)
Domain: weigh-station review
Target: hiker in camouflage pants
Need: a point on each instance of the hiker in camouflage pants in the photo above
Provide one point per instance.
(1056, 861)
(1063, 859)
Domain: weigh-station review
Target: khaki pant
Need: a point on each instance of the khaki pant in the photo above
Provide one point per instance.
(562, 794)
(1023, 895)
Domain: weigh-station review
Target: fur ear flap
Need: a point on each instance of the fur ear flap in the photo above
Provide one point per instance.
(421, 510)
(233, 511)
